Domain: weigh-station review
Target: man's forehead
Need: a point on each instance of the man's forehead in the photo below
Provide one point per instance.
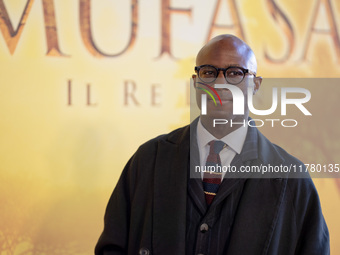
(227, 46)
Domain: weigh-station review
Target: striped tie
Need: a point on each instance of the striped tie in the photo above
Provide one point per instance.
(212, 180)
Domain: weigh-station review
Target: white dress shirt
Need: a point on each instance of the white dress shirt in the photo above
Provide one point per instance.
(234, 141)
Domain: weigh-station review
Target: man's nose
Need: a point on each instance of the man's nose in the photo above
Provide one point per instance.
(220, 74)
(220, 78)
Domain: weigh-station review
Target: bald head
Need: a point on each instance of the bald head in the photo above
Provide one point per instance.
(227, 46)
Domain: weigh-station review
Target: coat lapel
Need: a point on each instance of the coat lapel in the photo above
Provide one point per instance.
(195, 190)
(170, 200)
(256, 216)
(261, 199)
(195, 186)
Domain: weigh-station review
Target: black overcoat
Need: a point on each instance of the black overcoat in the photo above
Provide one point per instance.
(146, 213)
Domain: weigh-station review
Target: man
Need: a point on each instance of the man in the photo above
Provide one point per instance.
(159, 206)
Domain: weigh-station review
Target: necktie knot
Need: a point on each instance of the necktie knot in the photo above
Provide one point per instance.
(216, 146)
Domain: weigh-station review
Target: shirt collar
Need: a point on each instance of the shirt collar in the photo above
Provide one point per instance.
(234, 140)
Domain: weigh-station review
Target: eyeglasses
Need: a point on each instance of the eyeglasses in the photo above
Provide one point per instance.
(233, 74)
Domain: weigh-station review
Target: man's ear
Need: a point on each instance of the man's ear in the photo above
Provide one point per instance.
(257, 83)
(194, 79)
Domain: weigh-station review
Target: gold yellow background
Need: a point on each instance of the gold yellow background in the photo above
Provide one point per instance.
(59, 162)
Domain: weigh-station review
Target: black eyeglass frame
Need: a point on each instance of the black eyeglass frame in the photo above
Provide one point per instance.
(244, 70)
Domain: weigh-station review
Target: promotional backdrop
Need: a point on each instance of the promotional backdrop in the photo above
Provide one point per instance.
(84, 83)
